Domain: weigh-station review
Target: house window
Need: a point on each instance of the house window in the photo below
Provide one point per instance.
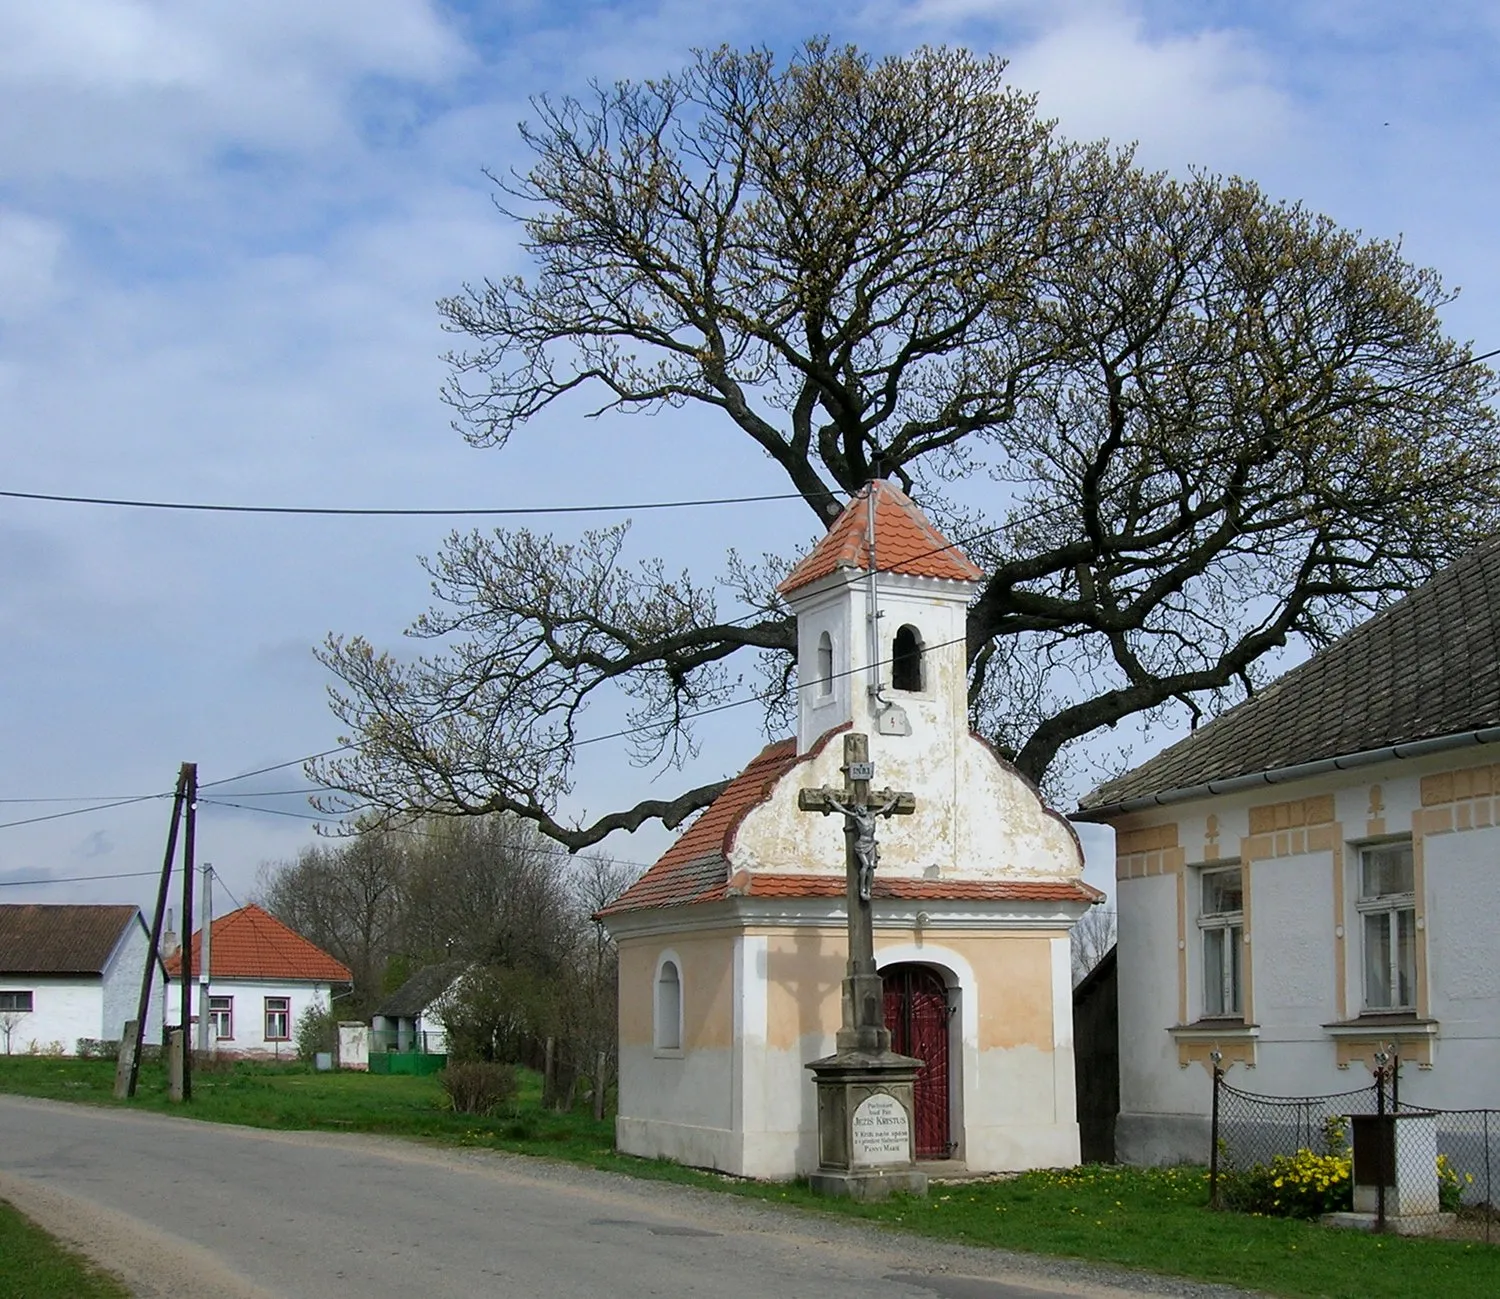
(825, 666)
(906, 660)
(221, 1017)
(15, 1002)
(668, 1032)
(278, 1019)
(1221, 918)
(1388, 920)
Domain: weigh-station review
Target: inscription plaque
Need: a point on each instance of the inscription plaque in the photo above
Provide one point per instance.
(882, 1132)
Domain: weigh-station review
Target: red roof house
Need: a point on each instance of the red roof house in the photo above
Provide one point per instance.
(265, 977)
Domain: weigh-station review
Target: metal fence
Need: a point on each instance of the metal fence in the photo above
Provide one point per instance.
(1296, 1154)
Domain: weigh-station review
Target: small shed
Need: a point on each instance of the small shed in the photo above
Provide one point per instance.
(408, 1024)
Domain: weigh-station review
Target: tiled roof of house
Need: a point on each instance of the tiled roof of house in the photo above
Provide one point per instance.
(1428, 666)
(38, 939)
(420, 991)
(905, 542)
(696, 867)
(252, 944)
(908, 890)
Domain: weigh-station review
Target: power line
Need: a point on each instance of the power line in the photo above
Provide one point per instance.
(80, 811)
(556, 850)
(75, 878)
(399, 512)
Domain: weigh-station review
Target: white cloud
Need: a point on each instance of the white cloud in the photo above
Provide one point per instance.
(125, 88)
(29, 252)
(1202, 97)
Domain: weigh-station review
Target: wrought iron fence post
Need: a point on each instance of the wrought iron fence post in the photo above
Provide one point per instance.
(1383, 1171)
(1213, 1150)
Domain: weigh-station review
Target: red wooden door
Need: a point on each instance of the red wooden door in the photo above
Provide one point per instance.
(916, 1012)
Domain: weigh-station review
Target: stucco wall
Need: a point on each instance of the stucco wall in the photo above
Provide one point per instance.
(122, 988)
(249, 1013)
(1298, 845)
(759, 1005)
(63, 1010)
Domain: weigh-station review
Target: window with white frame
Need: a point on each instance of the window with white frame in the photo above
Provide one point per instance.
(668, 1031)
(221, 1018)
(278, 1019)
(1388, 922)
(1221, 918)
(16, 1001)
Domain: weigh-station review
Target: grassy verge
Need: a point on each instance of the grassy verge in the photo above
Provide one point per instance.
(1155, 1220)
(38, 1267)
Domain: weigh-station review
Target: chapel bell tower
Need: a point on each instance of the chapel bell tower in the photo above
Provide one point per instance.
(880, 604)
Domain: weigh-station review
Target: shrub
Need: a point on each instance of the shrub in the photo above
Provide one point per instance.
(95, 1048)
(1451, 1185)
(478, 1086)
(317, 1030)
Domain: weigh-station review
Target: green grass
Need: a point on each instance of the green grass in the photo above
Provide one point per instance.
(1151, 1219)
(38, 1267)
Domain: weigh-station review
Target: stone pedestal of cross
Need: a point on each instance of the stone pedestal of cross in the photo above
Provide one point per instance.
(865, 1090)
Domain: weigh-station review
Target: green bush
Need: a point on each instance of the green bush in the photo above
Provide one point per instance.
(317, 1030)
(478, 1086)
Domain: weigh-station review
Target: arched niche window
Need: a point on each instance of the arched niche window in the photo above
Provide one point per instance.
(824, 688)
(906, 660)
(667, 1034)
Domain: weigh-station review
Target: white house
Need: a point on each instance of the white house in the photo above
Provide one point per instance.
(264, 977)
(410, 1018)
(733, 945)
(70, 974)
(1312, 877)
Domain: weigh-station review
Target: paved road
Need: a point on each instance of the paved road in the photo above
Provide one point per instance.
(182, 1208)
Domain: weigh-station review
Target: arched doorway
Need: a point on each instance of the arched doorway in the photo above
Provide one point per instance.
(916, 1012)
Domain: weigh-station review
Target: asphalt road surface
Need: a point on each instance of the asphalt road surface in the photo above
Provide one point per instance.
(201, 1210)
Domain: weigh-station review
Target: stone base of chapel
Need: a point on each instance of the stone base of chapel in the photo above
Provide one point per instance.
(780, 1156)
(766, 1156)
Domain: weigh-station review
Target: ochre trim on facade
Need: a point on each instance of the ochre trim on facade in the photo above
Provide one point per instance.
(1360, 1048)
(1235, 1045)
(1340, 925)
(1150, 850)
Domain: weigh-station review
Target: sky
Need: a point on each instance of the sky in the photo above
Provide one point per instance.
(223, 229)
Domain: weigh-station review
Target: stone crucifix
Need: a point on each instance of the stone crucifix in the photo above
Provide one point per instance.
(864, 1011)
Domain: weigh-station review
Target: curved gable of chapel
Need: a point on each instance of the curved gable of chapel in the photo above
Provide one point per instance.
(979, 820)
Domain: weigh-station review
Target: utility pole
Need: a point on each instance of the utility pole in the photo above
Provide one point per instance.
(208, 1040)
(189, 843)
(132, 1042)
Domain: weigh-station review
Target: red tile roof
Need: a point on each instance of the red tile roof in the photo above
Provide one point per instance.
(696, 867)
(908, 890)
(252, 944)
(905, 542)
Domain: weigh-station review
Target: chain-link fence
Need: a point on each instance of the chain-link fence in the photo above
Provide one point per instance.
(1297, 1156)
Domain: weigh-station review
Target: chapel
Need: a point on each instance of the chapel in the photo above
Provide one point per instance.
(733, 945)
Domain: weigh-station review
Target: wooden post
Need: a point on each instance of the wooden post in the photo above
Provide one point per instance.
(189, 844)
(549, 1077)
(601, 1080)
(153, 954)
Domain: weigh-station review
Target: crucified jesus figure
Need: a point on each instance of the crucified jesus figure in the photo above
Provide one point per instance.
(866, 850)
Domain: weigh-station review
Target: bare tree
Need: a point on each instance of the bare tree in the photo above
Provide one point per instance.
(10, 1020)
(346, 897)
(1093, 936)
(1210, 422)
